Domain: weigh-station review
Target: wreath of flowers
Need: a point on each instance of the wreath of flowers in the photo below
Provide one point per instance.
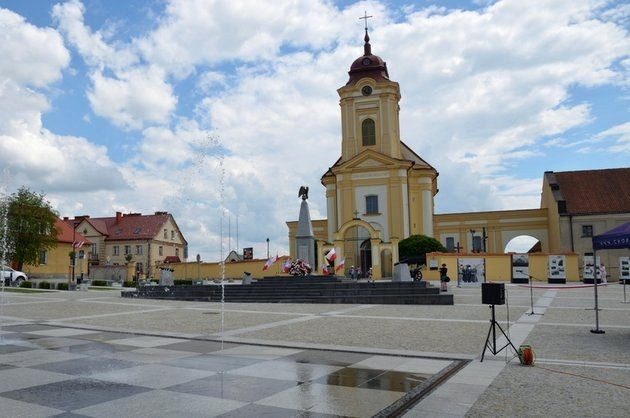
(300, 268)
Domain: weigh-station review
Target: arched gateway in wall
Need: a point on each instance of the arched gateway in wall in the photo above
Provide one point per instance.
(359, 244)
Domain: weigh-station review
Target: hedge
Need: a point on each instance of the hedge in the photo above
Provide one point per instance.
(26, 283)
(182, 281)
(62, 286)
(99, 283)
(44, 285)
(129, 283)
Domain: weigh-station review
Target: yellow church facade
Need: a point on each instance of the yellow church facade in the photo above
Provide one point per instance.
(380, 191)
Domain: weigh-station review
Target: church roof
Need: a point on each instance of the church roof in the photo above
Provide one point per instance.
(591, 191)
(368, 65)
(409, 154)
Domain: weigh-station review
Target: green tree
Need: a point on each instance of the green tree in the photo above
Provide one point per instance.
(416, 247)
(30, 227)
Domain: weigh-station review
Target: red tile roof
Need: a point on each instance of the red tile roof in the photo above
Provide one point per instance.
(66, 234)
(131, 226)
(595, 191)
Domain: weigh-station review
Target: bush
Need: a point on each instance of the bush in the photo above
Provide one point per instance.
(26, 283)
(44, 285)
(415, 248)
(62, 286)
(187, 282)
(99, 283)
(129, 283)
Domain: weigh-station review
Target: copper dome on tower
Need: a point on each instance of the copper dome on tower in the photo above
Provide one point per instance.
(368, 65)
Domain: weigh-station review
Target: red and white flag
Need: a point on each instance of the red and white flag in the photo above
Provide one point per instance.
(287, 265)
(78, 244)
(340, 265)
(332, 254)
(269, 263)
(325, 269)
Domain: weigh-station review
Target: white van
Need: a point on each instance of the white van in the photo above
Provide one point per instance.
(12, 277)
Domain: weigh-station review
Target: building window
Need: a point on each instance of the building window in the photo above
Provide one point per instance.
(371, 204)
(160, 250)
(450, 243)
(165, 234)
(476, 244)
(127, 249)
(172, 234)
(116, 250)
(368, 132)
(43, 257)
(139, 268)
(93, 249)
(138, 249)
(177, 252)
(587, 230)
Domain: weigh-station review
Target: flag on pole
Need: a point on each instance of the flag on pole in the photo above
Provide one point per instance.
(78, 244)
(332, 254)
(287, 265)
(340, 265)
(269, 263)
(325, 269)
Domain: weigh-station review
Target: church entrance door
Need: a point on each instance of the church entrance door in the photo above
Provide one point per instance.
(357, 249)
(366, 256)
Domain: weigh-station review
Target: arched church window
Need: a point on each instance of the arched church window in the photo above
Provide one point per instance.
(368, 132)
(371, 205)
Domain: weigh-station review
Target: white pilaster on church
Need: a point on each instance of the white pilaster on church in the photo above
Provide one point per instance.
(427, 213)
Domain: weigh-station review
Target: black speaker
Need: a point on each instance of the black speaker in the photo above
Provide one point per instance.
(493, 293)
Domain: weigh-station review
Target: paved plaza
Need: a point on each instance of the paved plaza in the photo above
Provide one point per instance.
(93, 353)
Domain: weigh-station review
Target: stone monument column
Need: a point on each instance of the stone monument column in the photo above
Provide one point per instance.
(304, 238)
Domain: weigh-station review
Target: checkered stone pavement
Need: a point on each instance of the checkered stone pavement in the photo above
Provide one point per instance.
(48, 371)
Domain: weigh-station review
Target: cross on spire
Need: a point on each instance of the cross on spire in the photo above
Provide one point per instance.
(365, 17)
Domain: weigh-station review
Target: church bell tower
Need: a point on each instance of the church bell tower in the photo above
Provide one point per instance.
(379, 191)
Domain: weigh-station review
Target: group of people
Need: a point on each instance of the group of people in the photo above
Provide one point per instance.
(469, 274)
(356, 273)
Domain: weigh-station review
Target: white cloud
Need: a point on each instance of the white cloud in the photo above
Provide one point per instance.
(135, 94)
(30, 55)
(91, 45)
(136, 97)
(482, 91)
(34, 58)
(615, 140)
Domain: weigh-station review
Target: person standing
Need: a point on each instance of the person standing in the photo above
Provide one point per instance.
(443, 278)
(602, 273)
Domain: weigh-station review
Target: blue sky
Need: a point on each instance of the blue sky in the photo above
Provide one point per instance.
(132, 106)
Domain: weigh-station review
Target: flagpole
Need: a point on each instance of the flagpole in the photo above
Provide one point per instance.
(74, 235)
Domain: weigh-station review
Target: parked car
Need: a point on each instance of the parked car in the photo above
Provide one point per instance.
(12, 277)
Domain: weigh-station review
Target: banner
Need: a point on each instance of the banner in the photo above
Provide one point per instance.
(520, 266)
(557, 267)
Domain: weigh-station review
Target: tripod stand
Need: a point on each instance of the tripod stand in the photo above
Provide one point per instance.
(531, 297)
(493, 329)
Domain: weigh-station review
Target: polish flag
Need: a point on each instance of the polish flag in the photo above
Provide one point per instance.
(332, 254)
(269, 263)
(78, 244)
(325, 269)
(340, 265)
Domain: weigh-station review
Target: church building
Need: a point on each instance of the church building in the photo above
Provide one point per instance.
(380, 191)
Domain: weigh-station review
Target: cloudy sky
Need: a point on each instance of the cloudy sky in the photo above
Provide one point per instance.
(192, 105)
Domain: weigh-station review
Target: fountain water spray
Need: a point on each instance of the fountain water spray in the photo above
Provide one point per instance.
(4, 231)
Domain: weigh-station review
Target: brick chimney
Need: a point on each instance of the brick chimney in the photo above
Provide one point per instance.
(118, 217)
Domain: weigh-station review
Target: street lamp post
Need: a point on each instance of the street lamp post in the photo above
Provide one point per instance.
(267, 248)
(198, 267)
